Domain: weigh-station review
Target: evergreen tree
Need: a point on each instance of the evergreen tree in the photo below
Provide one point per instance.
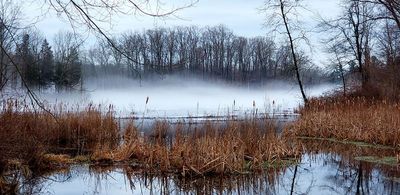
(29, 67)
(46, 64)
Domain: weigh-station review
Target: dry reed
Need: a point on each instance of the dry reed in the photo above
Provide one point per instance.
(351, 119)
(41, 141)
(27, 136)
(231, 148)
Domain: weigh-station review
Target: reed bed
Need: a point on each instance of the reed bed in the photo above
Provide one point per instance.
(351, 119)
(42, 141)
(27, 136)
(231, 148)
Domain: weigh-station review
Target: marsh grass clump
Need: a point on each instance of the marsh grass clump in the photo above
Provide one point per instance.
(357, 119)
(235, 147)
(27, 135)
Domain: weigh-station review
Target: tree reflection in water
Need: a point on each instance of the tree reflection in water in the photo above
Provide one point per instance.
(324, 168)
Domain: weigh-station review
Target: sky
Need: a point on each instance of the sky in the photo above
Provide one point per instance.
(242, 16)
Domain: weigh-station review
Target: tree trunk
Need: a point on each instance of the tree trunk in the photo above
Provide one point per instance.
(296, 65)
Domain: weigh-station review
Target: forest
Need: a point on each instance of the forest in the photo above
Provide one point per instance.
(207, 53)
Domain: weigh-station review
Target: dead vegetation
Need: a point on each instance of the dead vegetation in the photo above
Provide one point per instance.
(27, 136)
(350, 118)
(234, 147)
(38, 141)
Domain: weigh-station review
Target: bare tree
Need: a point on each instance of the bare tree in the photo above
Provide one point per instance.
(157, 43)
(10, 17)
(103, 56)
(338, 61)
(353, 31)
(388, 10)
(282, 15)
(388, 45)
(171, 50)
(240, 45)
(68, 63)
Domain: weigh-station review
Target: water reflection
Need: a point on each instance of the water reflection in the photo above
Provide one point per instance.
(325, 168)
(336, 171)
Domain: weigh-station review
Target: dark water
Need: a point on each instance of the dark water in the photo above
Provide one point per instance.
(325, 168)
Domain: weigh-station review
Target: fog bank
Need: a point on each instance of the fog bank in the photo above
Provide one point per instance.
(174, 97)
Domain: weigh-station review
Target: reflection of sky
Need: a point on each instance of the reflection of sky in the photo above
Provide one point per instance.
(316, 175)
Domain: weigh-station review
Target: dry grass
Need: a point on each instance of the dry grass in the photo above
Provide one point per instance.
(27, 136)
(41, 141)
(234, 147)
(352, 119)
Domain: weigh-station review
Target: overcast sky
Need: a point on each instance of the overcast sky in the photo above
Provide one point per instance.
(242, 16)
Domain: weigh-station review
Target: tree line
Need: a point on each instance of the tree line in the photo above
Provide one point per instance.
(208, 53)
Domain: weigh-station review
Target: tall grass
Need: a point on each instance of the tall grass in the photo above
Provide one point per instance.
(27, 135)
(350, 118)
(234, 147)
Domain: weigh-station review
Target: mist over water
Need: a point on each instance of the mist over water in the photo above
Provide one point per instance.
(177, 97)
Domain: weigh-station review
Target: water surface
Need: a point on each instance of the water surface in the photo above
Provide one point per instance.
(329, 169)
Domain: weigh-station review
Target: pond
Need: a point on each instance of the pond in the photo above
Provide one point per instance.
(325, 168)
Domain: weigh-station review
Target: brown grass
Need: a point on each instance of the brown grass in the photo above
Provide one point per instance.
(234, 147)
(350, 118)
(41, 141)
(27, 136)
